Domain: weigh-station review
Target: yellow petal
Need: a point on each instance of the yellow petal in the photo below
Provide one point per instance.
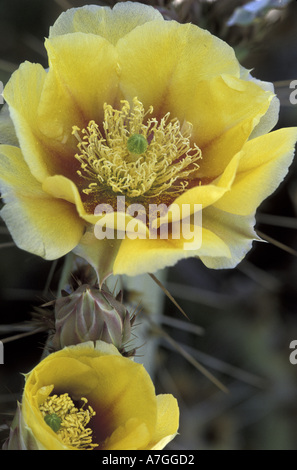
(187, 50)
(270, 118)
(38, 223)
(44, 150)
(149, 255)
(99, 253)
(100, 348)
(141, 256)
(238, 106)
(102, 21)
(189, 76)
(133, 435)
(263, 165)
(235, 231)
(63, 188)
(45, 106)
(208, 194)
(124, 392)
(167, 422)
(83, 75)
(22, 94)
(77, 377)
(113, 384)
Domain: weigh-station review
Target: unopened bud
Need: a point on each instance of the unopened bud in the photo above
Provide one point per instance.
(91, 314)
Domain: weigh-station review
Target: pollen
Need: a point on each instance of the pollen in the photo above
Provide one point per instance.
(133, 154)
(73, 421)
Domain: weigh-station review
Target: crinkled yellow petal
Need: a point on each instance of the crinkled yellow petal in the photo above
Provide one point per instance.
(102, 21)
(235, 231)
(263, 165)
(176, 80)
(63, 188)
(208, 194)
(270, 118)
(38, 223)
(239, 106)
(167, 422)
(141, 256)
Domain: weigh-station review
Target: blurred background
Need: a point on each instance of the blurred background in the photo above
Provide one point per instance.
(242, 321)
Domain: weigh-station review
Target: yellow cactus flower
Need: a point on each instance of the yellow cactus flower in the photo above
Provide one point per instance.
(90, 397)
(148, 111)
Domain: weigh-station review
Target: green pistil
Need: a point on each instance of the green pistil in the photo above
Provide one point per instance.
(53, 421)
(137, 143)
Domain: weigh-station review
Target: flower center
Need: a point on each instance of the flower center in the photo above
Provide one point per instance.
(134, 155)
(137, 144)
(68, 421)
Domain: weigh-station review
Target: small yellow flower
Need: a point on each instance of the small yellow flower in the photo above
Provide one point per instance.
(90, 397)
(151, 110)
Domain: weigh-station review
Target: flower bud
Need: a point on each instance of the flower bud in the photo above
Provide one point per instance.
(91, 314)
(20, 436)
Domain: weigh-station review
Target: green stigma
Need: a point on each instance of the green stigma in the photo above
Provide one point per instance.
(137, 143)
(53, 421)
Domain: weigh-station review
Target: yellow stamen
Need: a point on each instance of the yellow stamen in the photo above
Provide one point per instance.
(73, 431)
(108, 162)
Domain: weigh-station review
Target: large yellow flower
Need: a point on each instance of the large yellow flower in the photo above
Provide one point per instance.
(87, 396)
(150, 110)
